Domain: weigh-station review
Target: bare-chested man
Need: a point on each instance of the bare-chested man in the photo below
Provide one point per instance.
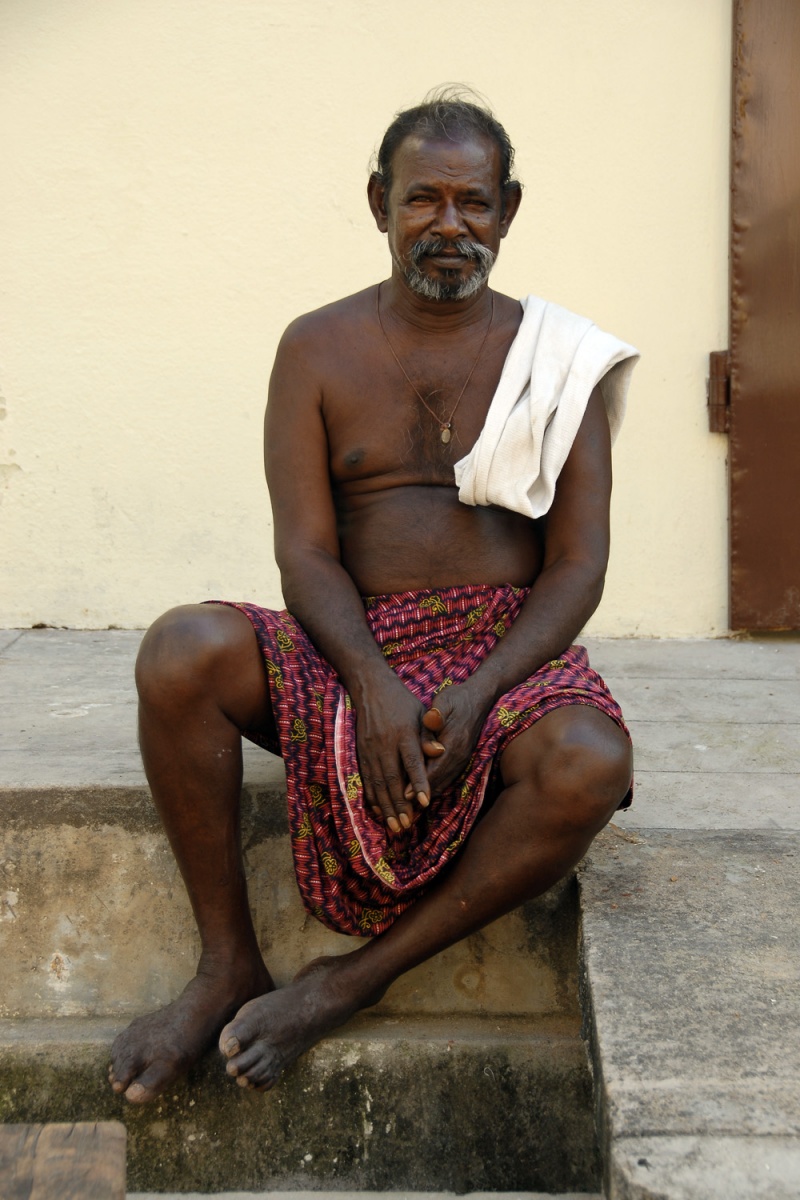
(411, 618)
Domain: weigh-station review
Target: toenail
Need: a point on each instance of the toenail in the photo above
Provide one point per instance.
(243, 1081)
(231, 1046)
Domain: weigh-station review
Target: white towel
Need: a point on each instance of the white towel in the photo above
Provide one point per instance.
(554, 362)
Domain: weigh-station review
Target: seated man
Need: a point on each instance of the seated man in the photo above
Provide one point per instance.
(449, 754)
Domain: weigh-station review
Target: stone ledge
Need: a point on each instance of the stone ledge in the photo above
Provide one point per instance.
(445, 1104)
(706, 1168)
(691, 987)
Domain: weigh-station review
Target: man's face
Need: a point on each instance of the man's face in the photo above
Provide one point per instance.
(444, 215)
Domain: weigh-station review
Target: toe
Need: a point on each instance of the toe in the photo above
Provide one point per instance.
(242, 1063)
(123, 1069)
(229, 1042)
(147, 1086)
(241, 1032)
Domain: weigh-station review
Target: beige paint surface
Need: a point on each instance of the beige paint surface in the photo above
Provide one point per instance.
(183, 178)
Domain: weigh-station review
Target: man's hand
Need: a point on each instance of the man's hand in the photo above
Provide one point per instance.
(451, 729)
(390, 758)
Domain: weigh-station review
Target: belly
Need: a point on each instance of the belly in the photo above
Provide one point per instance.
(410, 537)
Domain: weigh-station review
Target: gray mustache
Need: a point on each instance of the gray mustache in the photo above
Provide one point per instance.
(435, 246)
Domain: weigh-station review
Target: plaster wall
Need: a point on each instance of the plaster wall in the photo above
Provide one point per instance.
(182, 179)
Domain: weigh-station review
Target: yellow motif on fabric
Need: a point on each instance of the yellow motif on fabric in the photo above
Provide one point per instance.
(319, 701)
(284, 641)
(475, 614)
(499, 628)
(275, 673)
(329, 863)
(384, 871)
(446, 682)
(507, 717)
(318, 913)
(298, 733)
(353, 786)
(348, 703)
(304, 829)
(354, 849)
(317, 795)
(557, 662)
(390, 648)
(369, 917)
(369, 601)
(435, 603)
(464, 791)
(516, 590)
(454, 845)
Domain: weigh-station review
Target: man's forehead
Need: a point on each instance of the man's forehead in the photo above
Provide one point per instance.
(470, 155)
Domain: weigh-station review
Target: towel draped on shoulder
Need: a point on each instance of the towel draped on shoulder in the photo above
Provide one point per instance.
(555, 361)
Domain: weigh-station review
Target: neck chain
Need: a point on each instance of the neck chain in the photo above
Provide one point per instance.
(445, 427)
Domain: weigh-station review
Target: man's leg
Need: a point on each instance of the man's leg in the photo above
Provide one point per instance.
(563, 779)
(201, 681)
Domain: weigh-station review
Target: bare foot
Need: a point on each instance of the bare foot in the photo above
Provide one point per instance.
(269, 1033)
(157, 1049)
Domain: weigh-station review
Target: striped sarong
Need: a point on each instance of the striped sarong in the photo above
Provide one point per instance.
(354, 875)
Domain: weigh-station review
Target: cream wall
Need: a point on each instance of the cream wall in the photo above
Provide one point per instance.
(182, 177)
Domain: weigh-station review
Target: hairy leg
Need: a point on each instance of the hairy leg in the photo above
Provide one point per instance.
(201, 681)
(563, 780)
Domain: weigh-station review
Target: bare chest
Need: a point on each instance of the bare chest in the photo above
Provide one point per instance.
(407, 423)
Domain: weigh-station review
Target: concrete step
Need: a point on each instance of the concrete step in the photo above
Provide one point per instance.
(366, 1196)
(448, 1103)
(95, 920)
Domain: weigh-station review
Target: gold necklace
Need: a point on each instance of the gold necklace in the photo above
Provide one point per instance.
(444, 426)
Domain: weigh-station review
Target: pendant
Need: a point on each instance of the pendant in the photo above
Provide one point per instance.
(445, 434)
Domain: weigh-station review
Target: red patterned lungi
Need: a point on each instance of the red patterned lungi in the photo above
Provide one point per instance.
(354, 875)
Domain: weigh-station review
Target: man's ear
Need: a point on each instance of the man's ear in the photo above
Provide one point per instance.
(376, 194)
(512, 198)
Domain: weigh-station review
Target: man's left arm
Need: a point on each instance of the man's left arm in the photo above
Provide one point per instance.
(563, 597)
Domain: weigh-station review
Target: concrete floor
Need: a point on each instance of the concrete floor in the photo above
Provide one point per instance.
(690, 901)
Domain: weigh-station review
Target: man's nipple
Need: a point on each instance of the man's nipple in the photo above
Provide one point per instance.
(354, 458)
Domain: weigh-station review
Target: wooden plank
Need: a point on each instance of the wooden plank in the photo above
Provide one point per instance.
(83, 1161)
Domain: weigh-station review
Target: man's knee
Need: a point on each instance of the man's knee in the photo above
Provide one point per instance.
(185, 648)
(579, 761)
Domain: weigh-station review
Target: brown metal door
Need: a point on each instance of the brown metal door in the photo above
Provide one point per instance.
(765, 317)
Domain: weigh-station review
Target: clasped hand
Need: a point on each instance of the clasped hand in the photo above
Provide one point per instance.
(408, 754)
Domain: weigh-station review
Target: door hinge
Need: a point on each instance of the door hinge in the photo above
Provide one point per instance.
(719, 391)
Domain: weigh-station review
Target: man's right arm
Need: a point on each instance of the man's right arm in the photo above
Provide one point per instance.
(318, 590)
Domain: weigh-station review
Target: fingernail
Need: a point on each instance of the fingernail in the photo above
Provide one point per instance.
(422, 800)
(393, 824)
(404, 821)
(437, 745)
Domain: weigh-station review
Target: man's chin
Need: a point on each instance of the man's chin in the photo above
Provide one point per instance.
(446, 283)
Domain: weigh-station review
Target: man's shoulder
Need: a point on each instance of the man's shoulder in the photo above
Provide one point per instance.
(326, 326)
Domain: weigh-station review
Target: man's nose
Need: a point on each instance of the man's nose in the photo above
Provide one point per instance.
(449, 222)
